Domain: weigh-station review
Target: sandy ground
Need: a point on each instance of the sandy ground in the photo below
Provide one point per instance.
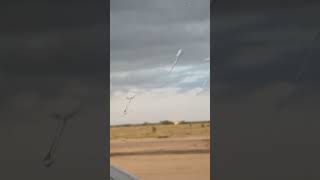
(163, 159)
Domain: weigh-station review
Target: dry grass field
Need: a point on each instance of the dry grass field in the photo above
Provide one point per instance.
(157, 152)
(161, 131)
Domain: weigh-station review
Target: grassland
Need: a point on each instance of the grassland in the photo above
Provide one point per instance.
(192, 129)
(158, 151)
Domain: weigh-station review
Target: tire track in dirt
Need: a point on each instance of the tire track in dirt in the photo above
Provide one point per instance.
(161, 152)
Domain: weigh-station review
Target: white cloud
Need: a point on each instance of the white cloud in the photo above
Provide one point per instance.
(155, 106)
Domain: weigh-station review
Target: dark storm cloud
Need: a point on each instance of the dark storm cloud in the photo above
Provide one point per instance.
(259, 47)
(45, 63)
(53, 57)
(170, 11)
(146, 35)
(37, 17)
(52, 37)
(44, 44)
(47, 52)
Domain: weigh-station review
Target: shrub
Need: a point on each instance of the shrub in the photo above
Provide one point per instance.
(154, 129)
(145, 124)
(182, 122)
(166, 122)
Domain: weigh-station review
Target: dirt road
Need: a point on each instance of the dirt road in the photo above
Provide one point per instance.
(163, 159)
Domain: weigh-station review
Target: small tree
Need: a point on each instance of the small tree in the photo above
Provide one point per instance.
(154, 129)
(166, 122)
(183, 122)
(145, 124)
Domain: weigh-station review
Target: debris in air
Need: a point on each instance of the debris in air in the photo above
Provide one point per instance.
(129, 98)
(62, 122)
(179, 53)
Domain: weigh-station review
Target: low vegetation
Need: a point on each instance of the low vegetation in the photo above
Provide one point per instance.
(164, 129)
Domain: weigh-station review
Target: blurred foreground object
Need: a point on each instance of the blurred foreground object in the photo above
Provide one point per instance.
(118, 174)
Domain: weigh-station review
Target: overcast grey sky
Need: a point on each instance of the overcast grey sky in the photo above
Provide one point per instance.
(145, 37)
(53, 57)
(260, 48)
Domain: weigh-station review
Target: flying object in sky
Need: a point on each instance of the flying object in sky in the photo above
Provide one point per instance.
(62, 122)
(129, 98)
(179, 53)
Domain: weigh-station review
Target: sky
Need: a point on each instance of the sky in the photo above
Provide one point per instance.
(266, 89)
(53, 57)
(145, 36)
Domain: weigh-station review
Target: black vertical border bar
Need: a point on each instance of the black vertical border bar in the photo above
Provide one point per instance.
(213, 128)
(107, 47)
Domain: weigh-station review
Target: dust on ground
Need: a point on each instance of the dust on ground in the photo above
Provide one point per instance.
(170, 158)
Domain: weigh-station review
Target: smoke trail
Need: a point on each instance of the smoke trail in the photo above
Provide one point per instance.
(62, 122)
(175, 62)
(179, 53)
(130, 98)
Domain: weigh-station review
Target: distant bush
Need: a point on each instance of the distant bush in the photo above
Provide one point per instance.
(166, 122)
(126, 125)
(154, 129)
(145, 124)
(182, 122)
(162, 136)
